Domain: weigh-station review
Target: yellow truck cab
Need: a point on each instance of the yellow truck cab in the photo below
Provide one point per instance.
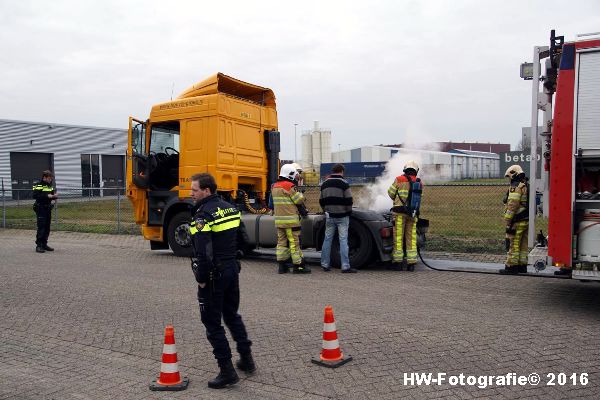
(228, 128)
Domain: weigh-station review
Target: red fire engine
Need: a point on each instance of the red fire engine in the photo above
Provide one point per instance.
(570, 179)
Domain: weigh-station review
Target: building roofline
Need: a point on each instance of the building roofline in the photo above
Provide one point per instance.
(52, 124)
(406, 149)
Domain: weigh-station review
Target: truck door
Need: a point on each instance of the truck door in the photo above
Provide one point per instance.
(137, 168)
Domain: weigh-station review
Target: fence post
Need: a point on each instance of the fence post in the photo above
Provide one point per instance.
(3, 207)
(119, 210)
(55, 209)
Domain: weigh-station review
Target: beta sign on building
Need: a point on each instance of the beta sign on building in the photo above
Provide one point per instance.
(518, 157)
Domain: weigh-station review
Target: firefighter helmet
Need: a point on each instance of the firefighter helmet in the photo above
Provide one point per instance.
(288, 172)
(513, 171)
(298, 167)
(411, 165)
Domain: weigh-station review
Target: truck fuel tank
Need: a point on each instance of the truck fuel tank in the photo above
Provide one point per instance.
(262, 232)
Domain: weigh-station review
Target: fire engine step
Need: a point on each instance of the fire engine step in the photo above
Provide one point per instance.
(586, 275)
(481, 267)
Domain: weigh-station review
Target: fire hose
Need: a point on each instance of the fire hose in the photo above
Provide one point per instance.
(249, 207)
(450, 270)
(476, 272)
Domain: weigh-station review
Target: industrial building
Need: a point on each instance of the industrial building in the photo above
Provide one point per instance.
(452, 165)
(316, 147)
(80, 156)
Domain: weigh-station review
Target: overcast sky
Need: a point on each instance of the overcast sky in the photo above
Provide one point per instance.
(371, 71)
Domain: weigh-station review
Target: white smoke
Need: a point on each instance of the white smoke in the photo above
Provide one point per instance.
(375, 196)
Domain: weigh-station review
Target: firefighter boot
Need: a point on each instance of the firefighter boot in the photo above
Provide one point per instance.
(509, 270)
(397, 266)
(522, 269)
(283, 267)
(301, 268)
(410, 267)
(227, 375)
(246, 363)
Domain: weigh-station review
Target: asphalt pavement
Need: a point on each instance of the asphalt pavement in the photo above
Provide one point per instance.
(87, 322)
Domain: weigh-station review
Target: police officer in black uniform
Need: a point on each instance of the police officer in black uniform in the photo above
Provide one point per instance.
(215, 231)
(43, 193)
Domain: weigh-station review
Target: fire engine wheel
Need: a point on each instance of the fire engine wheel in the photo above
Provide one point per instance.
(360, 246)
(178, 235)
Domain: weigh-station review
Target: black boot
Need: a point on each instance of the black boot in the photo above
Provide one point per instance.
(40, 249)
(301, 268)
(509, 270)
(283, 267)
(563, 272)
(410, 267)
(246, 363)
(396, 266)
(522, 269)
(47, 248)
(227, 375)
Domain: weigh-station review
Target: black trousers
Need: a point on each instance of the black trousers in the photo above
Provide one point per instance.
(223, 303)
(44, 217)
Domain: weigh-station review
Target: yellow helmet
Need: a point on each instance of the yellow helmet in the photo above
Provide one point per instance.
(411, 165)
(513, 171)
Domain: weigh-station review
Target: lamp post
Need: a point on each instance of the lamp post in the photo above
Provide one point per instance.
(295, 144)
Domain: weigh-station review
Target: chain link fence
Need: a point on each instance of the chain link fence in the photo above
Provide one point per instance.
(93, 210)
(465, 218)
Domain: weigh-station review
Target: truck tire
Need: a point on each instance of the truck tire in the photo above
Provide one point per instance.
(178, 235)
(360, 246)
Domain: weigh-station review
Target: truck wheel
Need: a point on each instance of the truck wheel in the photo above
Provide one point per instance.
(178, 235)
(360, 246)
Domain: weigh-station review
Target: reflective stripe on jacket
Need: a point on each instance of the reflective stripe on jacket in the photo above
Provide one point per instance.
(286, 197)
(516, 203)
(41, 190)
(399, 189)
(214, 229)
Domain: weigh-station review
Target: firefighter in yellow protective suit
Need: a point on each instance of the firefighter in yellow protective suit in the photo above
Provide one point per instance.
(516, 219)
(288, 202)
(405, 220)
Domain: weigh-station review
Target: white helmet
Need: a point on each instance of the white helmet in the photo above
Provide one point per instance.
(411, 165)
(298, 167)
(513, 171)
(288, 172)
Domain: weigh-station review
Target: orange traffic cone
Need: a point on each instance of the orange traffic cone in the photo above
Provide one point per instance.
(169, 378)
(331, 355)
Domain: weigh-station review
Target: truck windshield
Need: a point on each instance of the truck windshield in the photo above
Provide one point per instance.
(164, 135)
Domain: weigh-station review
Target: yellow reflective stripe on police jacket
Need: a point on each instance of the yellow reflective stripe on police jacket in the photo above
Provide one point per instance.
(193, 229)
(223, 224)
(43, 188)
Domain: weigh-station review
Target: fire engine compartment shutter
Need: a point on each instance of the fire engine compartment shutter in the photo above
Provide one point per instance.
(588, 103)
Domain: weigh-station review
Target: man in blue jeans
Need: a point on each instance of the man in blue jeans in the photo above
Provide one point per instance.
(336, 201)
